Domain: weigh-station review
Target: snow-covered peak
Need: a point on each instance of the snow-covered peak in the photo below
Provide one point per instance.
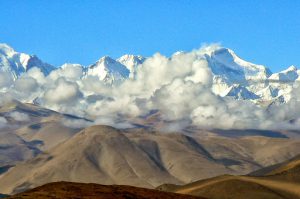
(288, 75)
(231, 60)
(268, 93)
(229, 55)
(240, 92)
(110, 64)
(131, 62)
(108, 70)
(291, 68)
(15, 63)
(10, 54)
(232, 69)
(208, 50)
(128, 57)
(106, 59)
(232, 76)
(6, 50)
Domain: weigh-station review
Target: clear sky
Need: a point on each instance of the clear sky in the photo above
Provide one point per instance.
(58, 31)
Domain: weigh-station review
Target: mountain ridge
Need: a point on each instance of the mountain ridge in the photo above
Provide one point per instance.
(228, 69)
(145, 159)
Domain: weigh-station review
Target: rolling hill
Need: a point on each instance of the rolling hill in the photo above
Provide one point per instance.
(277, 181)
(137, 157)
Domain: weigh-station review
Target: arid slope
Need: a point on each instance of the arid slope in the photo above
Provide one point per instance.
(67, 190)
(277, 181)
(105, 155)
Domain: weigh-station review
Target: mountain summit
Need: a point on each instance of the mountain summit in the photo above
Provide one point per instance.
(232, 76)
(16, 63)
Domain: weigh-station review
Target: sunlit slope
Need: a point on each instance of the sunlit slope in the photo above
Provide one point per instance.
(105, 155)
(277, 181)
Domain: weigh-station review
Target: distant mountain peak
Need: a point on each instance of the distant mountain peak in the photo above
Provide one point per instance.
(291, 68)
(15, 63)
(6, 49)
(108, 70)
(129, 56)
(232, 75)
(288, 75)
(131, 62)
(106, 58)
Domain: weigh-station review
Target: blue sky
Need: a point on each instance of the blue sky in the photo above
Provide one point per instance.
(264, 32)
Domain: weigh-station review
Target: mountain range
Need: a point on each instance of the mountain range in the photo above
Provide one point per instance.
(138, 157)
(148, 122)
(232, 76)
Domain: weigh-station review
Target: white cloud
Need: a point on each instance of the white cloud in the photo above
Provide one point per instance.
(3, 122)
(76, 123)
(178, 87)
(114, 122)
(5, 79)
(5, 98)
(26, 84)
(63, 92)
(70, 72)
(20, 117)
(36, 74)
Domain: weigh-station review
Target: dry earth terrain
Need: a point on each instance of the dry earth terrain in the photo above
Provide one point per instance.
(278, 181)
(105, 155)
(67, 190)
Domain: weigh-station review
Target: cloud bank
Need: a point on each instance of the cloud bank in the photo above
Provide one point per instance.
(178, 89)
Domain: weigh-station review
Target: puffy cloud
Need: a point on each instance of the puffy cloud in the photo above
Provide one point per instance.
(63, 92)
(20, 117)
(179, 98)
(91, 85)
(68, 71)
(178, 88)
(26, 84)
(114, 122)
(5, 79)
(36, 74)
(5, 98)
(76, 123)
(226, 115)
(201, 73)
(3, 122)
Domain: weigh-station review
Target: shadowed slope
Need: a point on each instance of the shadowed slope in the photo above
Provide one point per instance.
(29, 130)
(288, 171)
(231, 187)
(105, 155)
(67, 190)
(277, 181)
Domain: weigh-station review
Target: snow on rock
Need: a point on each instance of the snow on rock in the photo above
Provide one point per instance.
(225, 63)
(289, 75)
(108, 70)
(15, 63)
(240, 92)
(232, 76)
(131, 62)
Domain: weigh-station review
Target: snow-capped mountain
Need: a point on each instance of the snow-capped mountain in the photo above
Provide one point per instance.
(232, 76)
(225, 64)
(240, 92)
(108, 70)
(268, 93)
(131, 62)
(289, 75)
(16, 63)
